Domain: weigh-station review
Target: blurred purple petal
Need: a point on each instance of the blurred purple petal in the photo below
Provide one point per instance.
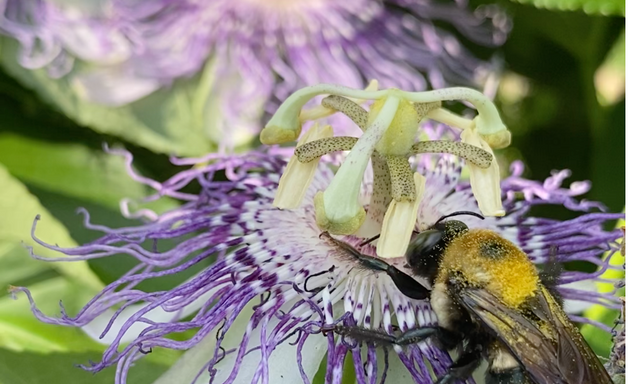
(258, 51)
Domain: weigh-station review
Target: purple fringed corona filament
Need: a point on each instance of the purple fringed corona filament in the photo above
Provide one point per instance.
(258, 311)
(258, 51)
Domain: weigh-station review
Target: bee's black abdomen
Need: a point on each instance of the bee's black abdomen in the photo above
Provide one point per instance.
(512, 376)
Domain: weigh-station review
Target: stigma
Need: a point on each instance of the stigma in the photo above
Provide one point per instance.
(390, 129)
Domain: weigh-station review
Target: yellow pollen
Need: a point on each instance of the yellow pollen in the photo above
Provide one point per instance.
(485, 259)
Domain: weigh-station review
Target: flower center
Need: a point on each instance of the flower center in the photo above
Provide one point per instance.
(390, 129)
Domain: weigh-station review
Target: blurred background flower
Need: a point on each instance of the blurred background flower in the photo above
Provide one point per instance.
(561, 93)
(239, 57)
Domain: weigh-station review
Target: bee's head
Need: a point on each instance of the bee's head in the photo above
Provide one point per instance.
(425, 249)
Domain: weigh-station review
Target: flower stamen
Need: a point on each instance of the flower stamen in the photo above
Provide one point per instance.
(402, 178)
(423, 109)
(484, 182)
(400, 220)
(338, 209)
(349, 108)
(380, 198)
(318, 148)
(322, 111)
(470, 153)
(390, 130)
(298, 175)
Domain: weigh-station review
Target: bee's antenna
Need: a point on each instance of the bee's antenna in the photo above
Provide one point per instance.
(371, 239)
(458, 213)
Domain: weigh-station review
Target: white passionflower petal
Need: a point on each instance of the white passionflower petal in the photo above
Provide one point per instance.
(95, 328)
(196, 359)
(278, 369)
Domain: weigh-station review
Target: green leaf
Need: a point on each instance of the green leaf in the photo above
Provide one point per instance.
(19, 208)
(73, 170)
(33, 368)
(166, 121)
(349, 374)
(598, 7)
(600, 340)
(597, 338)
(17, 266)
(21, 331)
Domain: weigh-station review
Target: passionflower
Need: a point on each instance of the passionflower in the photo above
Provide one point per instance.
(248, 54)
(256, 313)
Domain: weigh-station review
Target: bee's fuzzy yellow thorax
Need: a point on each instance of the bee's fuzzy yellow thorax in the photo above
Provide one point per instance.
(483, 258)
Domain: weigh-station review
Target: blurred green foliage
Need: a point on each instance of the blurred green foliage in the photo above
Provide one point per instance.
(560, 116)
(560, 123)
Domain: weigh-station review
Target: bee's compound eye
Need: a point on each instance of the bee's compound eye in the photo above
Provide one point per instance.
(421, 246)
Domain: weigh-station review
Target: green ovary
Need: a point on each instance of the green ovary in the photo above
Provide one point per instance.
(402, 131)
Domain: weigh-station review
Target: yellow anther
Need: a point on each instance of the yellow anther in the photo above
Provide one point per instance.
(298, 175)
(485, 183)
(400, 220)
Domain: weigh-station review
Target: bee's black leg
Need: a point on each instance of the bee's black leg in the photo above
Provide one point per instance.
(512, 376)
(407, 285)
(445, 337)
(462, 368)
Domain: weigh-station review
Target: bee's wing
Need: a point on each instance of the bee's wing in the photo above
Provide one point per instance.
(549, 347)
(571, 345)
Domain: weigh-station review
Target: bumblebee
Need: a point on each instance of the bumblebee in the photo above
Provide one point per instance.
(491, 303)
